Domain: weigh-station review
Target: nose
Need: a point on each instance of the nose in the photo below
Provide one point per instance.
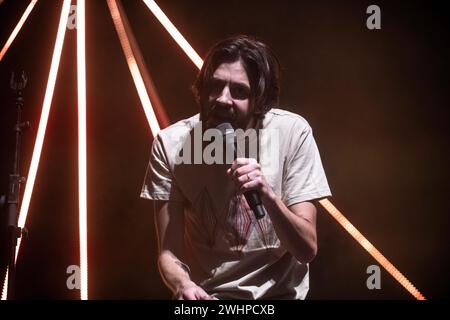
(225, 96)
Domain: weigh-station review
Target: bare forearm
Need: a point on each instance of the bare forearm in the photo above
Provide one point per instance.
(297, 234)
(174, 274)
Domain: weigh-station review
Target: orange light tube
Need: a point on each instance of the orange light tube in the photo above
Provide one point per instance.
(82, 147)
(173, 31)
(17, 28)
(134, 69)
(44, 117)
(335, 213)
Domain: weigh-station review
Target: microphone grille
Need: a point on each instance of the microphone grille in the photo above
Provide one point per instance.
(225, 128)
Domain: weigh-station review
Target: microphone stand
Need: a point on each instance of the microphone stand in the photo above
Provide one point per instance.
(15, 180)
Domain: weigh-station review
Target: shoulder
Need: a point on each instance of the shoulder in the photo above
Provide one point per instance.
(178, 130)
(285, 121)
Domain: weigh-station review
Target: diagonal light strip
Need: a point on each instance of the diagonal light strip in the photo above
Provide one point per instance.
(17, 28)
(173, 31)
(377, 255)
(43, 121)
(82, 148)
(329, 206)
(44, 116)
(135, 73)
(157, 104)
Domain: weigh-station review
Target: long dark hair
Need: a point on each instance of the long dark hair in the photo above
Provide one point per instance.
(258, 60)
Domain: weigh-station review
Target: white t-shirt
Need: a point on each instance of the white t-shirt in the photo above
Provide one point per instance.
(231, 254)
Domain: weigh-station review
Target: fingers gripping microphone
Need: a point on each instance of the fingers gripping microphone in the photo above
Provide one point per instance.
(252, 196)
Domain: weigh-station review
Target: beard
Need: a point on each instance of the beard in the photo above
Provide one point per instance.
(216, 113)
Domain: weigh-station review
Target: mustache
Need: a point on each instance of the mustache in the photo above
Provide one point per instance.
(221, 111)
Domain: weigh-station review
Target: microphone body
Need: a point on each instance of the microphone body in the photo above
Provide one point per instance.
(254, 201)
(252, 196)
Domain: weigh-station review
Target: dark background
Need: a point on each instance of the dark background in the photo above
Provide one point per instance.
(377, 100)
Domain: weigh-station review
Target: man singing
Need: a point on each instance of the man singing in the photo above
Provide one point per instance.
(211, 245)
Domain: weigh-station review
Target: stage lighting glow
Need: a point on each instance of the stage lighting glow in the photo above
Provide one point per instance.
(134, 69)
(82, 152)
(371, 249)
(17, 28)
(173, 31)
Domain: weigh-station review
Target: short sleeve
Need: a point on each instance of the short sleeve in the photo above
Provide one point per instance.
(159, 183)
(303, 174)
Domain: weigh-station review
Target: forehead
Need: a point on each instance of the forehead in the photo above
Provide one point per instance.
(232, 72)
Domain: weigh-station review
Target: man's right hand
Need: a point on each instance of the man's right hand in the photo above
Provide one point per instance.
(191, 291)
(169, 220)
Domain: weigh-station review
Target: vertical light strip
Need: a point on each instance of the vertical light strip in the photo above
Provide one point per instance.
(173, 31)
(82, 148)
(17, 28)
(325, 202)
(371, 249)
(135, 73)
(43, 120)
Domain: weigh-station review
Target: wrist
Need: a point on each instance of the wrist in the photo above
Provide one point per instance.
(269, 202)
(268, 198)
(181, 287)
(184, 284)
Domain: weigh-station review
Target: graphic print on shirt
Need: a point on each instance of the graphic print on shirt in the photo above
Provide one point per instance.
(240, 224)
(237, 221)
(208, 219)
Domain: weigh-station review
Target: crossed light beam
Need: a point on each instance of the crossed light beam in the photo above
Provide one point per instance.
(153, 113)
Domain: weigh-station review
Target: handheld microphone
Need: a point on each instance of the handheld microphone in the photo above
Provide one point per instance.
(252, 196)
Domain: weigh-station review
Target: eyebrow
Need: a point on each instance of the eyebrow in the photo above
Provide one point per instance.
(243, 84)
